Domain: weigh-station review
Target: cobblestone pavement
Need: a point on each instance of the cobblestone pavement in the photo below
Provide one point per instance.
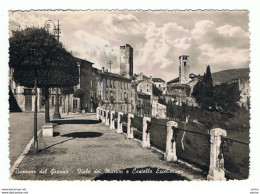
(94, 152)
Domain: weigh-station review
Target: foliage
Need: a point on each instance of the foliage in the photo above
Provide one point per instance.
(162, 101)
(36, 53)
(204, 91)
(156, 91)
(67, 90)
(79, 93)
(227, 96)
(222, 98)
(37, 57)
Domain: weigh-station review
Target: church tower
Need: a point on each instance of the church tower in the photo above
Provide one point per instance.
(184, 69)
(126, 61)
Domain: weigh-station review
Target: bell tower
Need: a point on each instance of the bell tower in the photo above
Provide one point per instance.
(184, 69)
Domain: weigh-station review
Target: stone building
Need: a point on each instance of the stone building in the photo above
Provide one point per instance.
(145, 86)
(88, 80)
(143, 104)
(160, 84)
(114, 91)
(158, 110)
(180, 89)
(25, 99)
(244, 88)
(126, 61)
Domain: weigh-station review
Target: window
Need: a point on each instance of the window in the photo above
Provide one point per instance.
(147, 90)
(141, 90)
(184, 63)
(52, 100)
(14, 91)
(61, 100)
(147, 85)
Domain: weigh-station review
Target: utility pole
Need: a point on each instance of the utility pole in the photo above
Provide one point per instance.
(110, 63)
(56, 30)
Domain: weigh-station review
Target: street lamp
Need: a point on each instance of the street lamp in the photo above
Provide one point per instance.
(56, 30)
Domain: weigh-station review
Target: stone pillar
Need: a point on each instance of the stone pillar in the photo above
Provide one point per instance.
(119, 124)
(130, 130)
(170, 153)
(146, 136)
(97, 113)
(216, 168)
(107, 118)
(112, 119)
(47, 130)
(103, 115)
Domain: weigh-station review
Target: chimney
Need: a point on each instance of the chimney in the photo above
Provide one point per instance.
(103, 69)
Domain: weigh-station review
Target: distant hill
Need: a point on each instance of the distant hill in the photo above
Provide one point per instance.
(229, 75)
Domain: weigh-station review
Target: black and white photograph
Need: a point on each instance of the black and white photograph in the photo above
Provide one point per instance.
(129, 95)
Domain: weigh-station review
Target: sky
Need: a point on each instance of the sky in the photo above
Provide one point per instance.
(216, 38)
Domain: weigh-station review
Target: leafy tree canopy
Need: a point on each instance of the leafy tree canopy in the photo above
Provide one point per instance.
(67, 90)
(156, 91)
(204, 91)
(79, 93)
(34, 52)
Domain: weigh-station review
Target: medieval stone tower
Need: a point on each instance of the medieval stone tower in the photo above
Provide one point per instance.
(126, 61)
(184, 69)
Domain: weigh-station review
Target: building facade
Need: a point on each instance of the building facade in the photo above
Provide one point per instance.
(160, 84)
(114, 91)
(126, 61)
(184, 69)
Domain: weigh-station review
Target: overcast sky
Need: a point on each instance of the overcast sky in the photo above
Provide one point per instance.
(219, 39)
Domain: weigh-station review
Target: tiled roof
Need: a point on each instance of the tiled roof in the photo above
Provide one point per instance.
(158, 80)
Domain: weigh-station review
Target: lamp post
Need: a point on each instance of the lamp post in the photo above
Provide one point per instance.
(56, 30)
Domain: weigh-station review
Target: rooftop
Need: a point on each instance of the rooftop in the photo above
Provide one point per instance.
(158, 80)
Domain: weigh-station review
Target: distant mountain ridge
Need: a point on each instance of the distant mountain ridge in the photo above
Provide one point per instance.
(229, 75)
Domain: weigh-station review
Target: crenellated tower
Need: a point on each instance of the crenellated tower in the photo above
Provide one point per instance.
(126, 61)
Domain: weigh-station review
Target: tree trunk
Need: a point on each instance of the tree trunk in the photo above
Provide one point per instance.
(56, 114)
(80, 105)
(68, 104)
(47, 104)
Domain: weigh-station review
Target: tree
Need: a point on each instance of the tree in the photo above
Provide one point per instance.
(227, 96)
(80, 93)
(162, 101)
(39, 60)
(204, 91)
(156, 91)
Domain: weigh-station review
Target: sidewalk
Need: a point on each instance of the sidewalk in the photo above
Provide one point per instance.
(94, 152)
